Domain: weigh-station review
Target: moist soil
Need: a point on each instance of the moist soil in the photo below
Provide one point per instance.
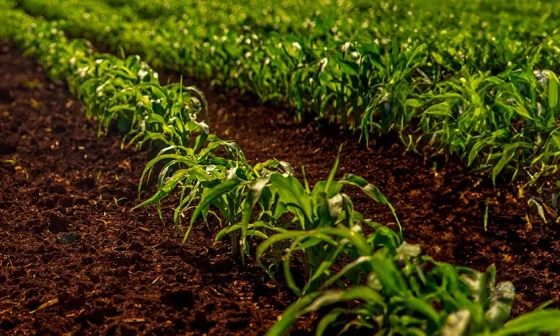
(75, 258)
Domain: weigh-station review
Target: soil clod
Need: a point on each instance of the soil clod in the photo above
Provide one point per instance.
(58, 223)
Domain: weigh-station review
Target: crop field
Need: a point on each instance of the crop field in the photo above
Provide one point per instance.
(287, 167)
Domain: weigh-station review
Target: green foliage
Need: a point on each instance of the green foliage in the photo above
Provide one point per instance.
(490, 97)
(366, 273)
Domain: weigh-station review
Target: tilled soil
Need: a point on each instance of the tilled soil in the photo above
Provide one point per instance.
(75, 259)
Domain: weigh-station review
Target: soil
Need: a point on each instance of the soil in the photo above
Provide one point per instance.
(74, 258)
(125, 272)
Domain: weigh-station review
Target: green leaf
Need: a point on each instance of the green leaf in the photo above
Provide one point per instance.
(543, 321)
(347, 268)
(368, 188)
(539, 207)
(292, 193)
(552, 90)
(507, 156)
(415, 103)
(219, 190)
(373, 192)
(388, 274)
(364, 293)
(333, 170)
(440, 110)
(475, 150)
(500, 304)
(291, 314)
(165, 189)
(326, 321)
(456, 323)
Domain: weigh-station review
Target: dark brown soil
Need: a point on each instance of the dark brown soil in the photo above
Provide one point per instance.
(75, 259)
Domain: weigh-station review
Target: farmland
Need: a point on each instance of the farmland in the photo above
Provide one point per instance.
(213, 168)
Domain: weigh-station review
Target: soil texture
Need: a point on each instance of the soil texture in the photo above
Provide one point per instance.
(74, 258)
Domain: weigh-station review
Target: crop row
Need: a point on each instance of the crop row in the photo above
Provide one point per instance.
(488, 95)
(389, 286)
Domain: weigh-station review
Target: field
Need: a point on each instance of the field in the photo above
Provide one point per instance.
(323, 167)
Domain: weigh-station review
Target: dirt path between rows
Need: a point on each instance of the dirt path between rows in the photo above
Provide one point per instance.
(75, 259)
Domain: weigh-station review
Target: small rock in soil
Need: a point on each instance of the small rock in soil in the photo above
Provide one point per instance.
(65, 238)
(57, 188)
(86, 182)
(66, 202)
(179, 298)
(49, 202)
(58, 223)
